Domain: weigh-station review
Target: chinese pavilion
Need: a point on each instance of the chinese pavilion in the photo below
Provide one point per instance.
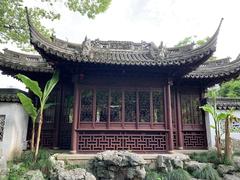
(121, 95)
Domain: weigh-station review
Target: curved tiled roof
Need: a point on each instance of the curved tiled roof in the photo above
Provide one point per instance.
(224, 103)
(24, 62)
(9, 95)
(122, 52)
(219, 69)
(216, 69)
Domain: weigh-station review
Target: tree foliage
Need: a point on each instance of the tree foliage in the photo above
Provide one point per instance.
(230, 89)
(191, 39)
(198, 42)
(13, 23)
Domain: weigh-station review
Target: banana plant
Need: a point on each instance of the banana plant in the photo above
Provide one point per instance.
(43, 97)
(217, 117)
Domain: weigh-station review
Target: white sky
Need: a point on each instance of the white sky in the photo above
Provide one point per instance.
(152, 20)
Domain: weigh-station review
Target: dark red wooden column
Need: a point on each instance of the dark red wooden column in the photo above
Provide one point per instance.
(179, 122)
(58, 116)
(169, 115)
(75, 117)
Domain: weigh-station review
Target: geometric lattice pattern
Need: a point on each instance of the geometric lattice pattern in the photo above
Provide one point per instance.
(47, 138)
(2, 123)
(175, 140)
(138, 142)
(195, 140)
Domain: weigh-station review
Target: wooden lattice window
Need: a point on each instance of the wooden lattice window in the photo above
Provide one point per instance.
(102, 96)
(106, 105)
(86, 104)
(116, 105)
(158, 108)
(130, 106)
(191, 113)
(68, 106)
(2, 124)
(144, 106)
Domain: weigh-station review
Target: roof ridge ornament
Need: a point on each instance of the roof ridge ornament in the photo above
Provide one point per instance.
(86, 46)
(162, 51)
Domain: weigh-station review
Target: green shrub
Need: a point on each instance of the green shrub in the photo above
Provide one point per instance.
(25, 162)
(16, 171)
(207, 157)
(70, 166)
(208, 172)
(178, 174)
(227, 161)
(153, 175)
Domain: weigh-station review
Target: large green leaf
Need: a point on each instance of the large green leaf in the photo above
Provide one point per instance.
(222, 116)
(209, 108)
(31, 85)
(28, 106)
(49, 86)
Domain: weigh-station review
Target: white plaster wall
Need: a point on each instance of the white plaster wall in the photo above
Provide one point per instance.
(15, 129)
(211, 131)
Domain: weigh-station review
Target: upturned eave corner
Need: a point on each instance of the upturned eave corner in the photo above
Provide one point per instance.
(216, 71)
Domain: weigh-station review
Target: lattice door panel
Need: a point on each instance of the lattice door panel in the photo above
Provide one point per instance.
(195, 140)
(47, 138)
(139, 142)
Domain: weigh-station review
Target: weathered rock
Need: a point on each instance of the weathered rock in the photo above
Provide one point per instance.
(236, 161)
(194, 165)
(33, 175)
(118, 165)
(58, 171)
(235, 176)
(166, 162)
(150, 164)
(224, 169)
(75, 174)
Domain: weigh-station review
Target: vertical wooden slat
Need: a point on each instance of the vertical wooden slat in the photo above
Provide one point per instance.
(137, 110)
(109, 109)
(151, 109)
(179, 122)
(94, 108)
(123, 108)
(169, 116)
(74, 141)
(165, 106)
(79, 108)
(58, 117)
